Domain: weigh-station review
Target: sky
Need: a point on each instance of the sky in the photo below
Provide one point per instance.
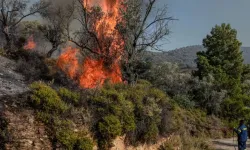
(197, 17)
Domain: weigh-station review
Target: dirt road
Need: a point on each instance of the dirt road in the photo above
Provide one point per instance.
(227, 144)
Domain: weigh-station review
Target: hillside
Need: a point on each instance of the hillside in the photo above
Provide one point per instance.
(186, 56)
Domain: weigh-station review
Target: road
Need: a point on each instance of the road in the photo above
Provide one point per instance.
(227, 144)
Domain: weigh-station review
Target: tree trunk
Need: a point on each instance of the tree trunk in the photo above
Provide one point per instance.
(7, 47)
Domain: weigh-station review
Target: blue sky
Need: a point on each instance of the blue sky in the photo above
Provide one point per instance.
(197, 17)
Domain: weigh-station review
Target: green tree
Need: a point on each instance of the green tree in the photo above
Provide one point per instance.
(223, 59)
(224, 62)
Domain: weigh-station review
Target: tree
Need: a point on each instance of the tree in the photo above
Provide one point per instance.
(58, 19)
(12, 13)
(207, 95)
(224, 62)
(137, 29)
(143, 27)
(223, 59)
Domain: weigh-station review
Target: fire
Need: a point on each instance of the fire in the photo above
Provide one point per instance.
(68, 62)
(30, 44)
(94, 72)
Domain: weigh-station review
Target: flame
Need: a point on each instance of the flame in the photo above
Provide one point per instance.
(68, 62)
(30, 45)
(93, 72)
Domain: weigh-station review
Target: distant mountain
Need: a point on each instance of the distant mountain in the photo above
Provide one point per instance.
(186, 56)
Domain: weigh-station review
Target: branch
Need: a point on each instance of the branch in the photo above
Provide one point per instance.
(31, 13)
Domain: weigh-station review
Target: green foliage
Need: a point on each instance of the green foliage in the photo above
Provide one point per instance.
(150, 106)
(223, 58)
(84, 144)
(67, 138)
(47, 98)
(224, 62)
(184, 101)
(208, 96)
(52, 112)
(71, 140)
(62, 132)
(136, 110)
(109, 128)
(169, 78)
(69, 96)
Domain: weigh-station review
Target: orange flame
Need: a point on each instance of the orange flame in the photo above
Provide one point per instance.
(94, 72)
(68, 62)
(30, 44)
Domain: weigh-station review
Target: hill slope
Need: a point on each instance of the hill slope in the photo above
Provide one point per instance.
(186, 56)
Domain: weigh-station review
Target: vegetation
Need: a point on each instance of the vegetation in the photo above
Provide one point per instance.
(51, 109)
(223, 62)
(157, 100)
(47, 99)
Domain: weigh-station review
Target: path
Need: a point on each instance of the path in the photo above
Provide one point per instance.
(227, 144)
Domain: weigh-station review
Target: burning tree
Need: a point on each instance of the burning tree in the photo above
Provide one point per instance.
(57, 19)
(113, 32)
(12, 13)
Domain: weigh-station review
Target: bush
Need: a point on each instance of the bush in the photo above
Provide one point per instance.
(32, 65)
(186, 142)
(193, 143)
(72, 140)
(150, 106)
(172, 143)
(46, 98)
(135, 110)
(112, 110)
(184, 101)
(62, 132)
(67, 138)
(69, 96)
(109, 128)
(84, 144)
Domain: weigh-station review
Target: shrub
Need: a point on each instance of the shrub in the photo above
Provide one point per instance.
(140, 109)
(109, 128)
(150, 106)
(84, 144)
(193, 143)
(172, 143)
(46, 98)
(67, 138)
(32, 65)
(69, 96)
(184, 101)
